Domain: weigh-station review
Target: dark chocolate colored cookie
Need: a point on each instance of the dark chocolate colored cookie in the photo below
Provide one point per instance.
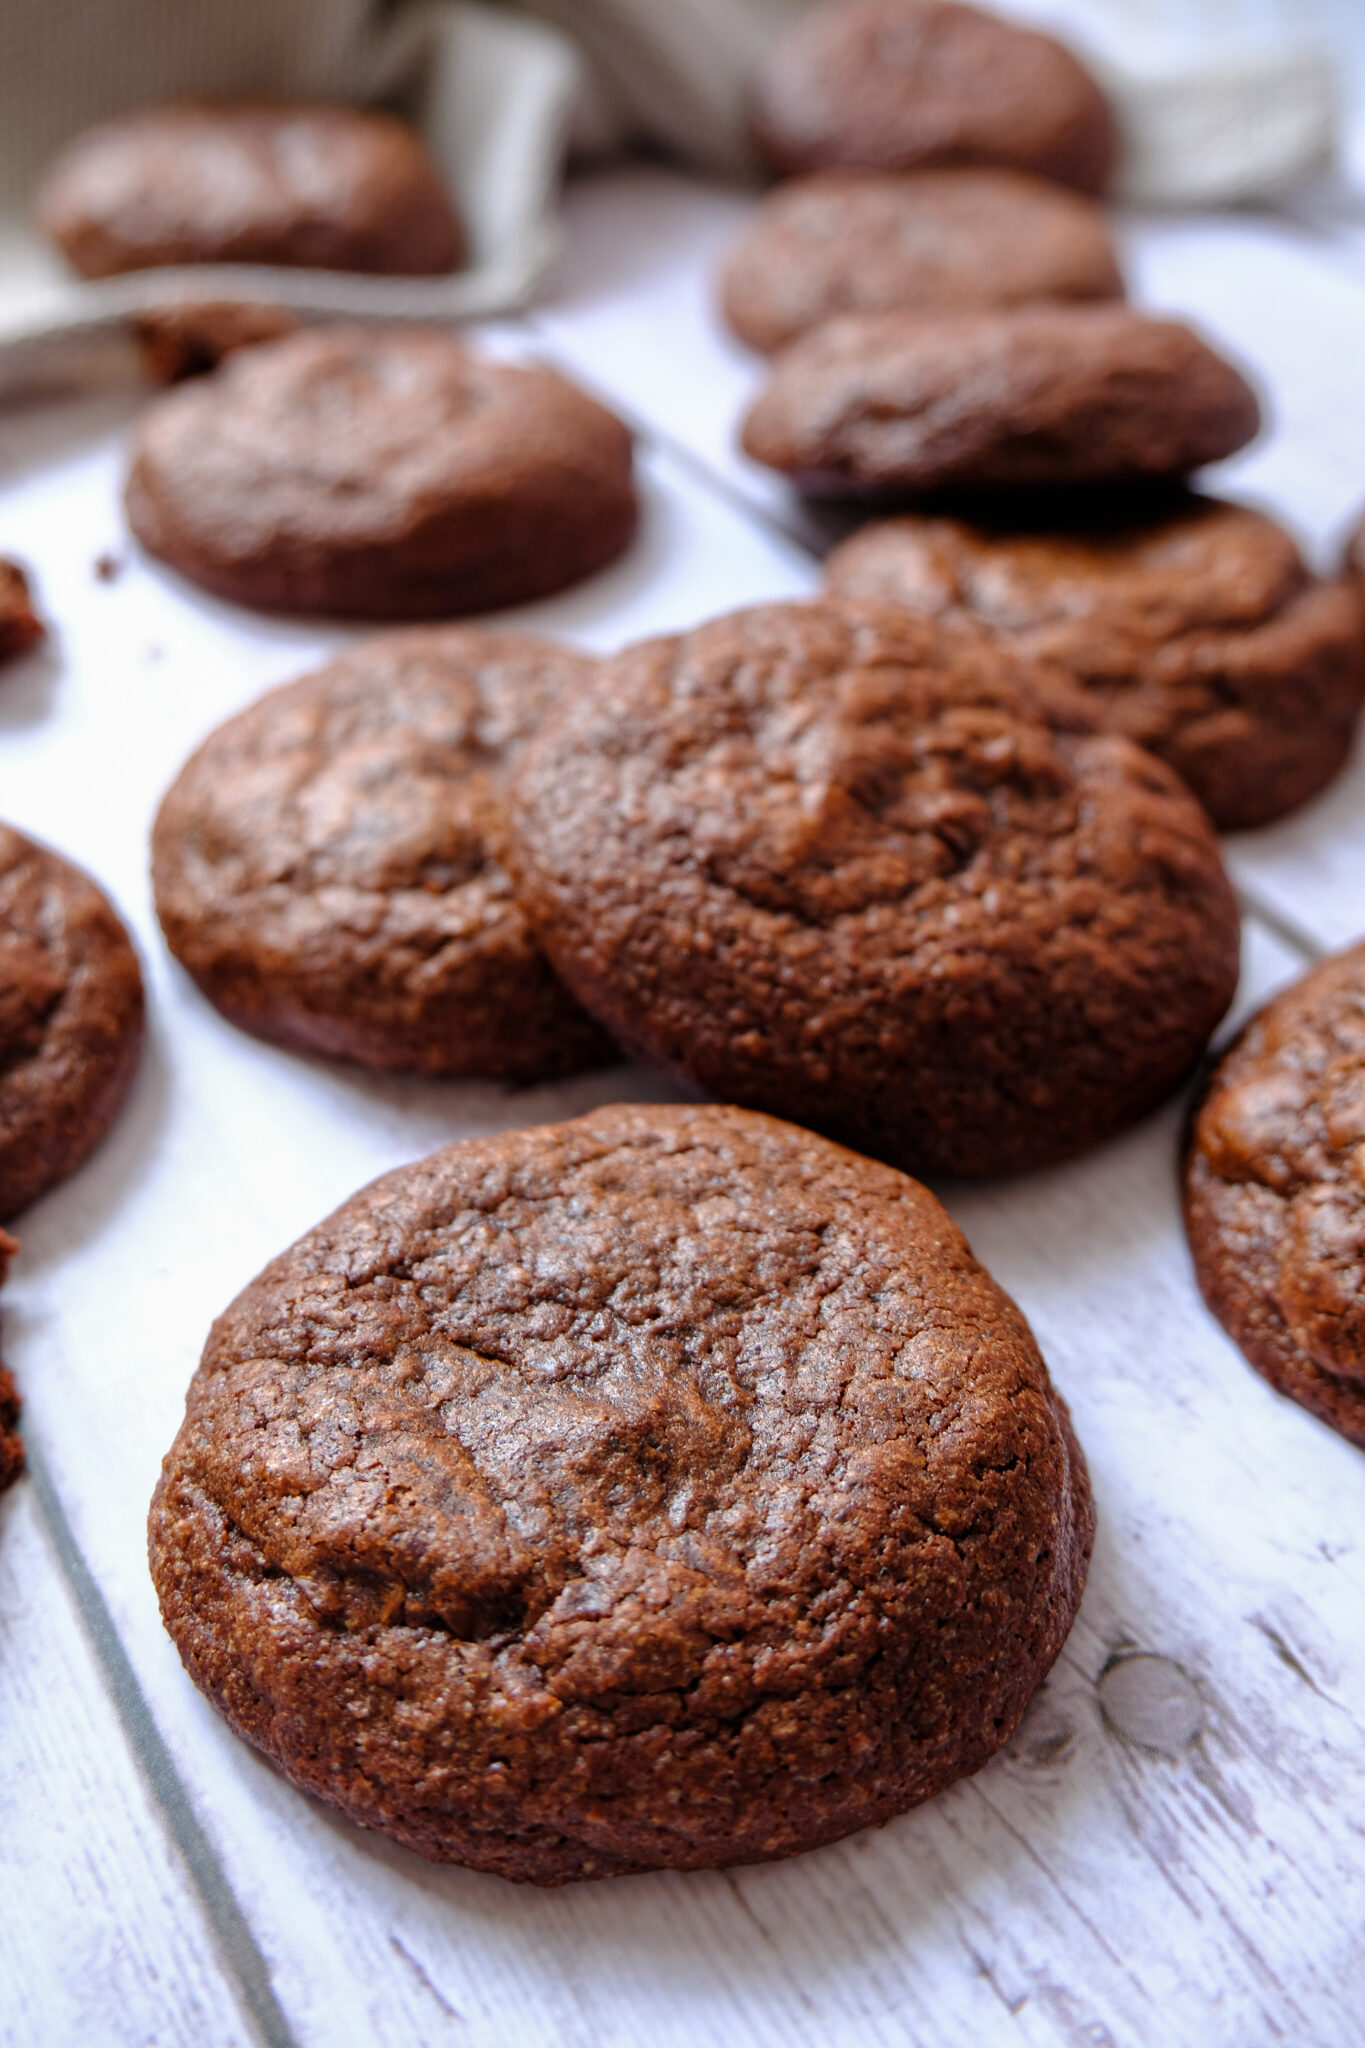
(895, 84)
(70, 1018)
(1196, 631)
(1275, 1192)
(11, 1443)
(892, 405)
(669, 1487)
(314, 187)
(830, 861)
(380, 473)
(1353, 562)
(20, 626)
(327, 864)
(936, 242)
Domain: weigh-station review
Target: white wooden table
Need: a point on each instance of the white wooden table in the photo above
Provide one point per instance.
(1172, 1849)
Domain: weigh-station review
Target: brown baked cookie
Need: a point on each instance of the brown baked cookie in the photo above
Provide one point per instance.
(1275, 1192)
(70, 1018)
(935, 242)
(892, 405)
(1197, 632)
(20, 626)
(327, 864)
(313, 187)
(896, 84)
(669, 1487)
(380, 473)
(829, 861)
(11, 1443)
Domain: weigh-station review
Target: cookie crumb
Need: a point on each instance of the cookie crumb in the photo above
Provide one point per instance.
(20, 626)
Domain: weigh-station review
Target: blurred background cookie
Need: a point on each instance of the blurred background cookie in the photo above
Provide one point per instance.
(309, 186)
(895, 84)
(892, 406)
(935, 242)
(327, 865)
(1196, 631)
(380, 473)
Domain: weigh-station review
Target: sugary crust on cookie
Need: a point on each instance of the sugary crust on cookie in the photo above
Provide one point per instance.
(669, 1487)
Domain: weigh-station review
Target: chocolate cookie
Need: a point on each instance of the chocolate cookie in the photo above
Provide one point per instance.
(70, 1018)
(1197, 631)
(20, 626)
(314, 187)
(829, 861)
(380, 473)
(895, 84)
(11, 1443)
(1275, 1194)
(669, 1487)
(937, 242)
(327, 864)
(891, 405)
(187, 340)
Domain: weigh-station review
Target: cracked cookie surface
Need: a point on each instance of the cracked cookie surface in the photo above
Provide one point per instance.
(1196, 631)
(1275, 1192)
(328, 864)
(872, 872)
(669, 1487)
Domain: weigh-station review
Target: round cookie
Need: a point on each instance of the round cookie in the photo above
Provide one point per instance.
(1197, 632)
(829, 861)
(1275, 1192)
(896, 84)
(313, 187)
(327, 867)
(70, 1019)
(669, 1487)
(937, 242)
(380, 473)
(891, 405)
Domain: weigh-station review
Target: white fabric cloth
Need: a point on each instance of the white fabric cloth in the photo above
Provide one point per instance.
(1219, 101)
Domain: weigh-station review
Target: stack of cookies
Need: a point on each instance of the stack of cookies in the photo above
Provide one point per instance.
(941, 294)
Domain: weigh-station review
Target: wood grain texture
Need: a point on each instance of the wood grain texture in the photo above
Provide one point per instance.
(1169, 1851)
(101, 1936)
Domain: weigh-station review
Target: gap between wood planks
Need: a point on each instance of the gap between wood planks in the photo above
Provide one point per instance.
(236, 1944)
